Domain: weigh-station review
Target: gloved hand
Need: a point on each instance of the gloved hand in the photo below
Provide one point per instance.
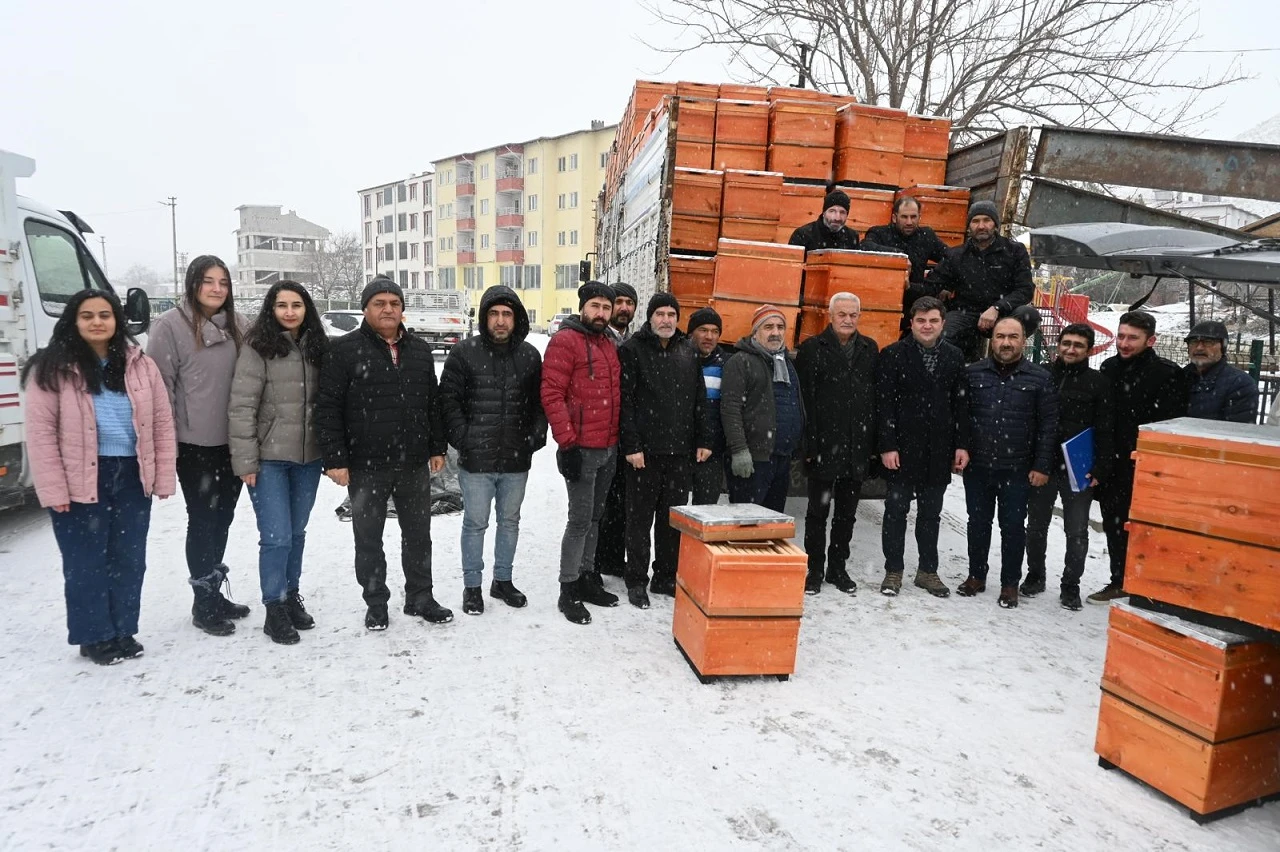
(740, 465)
(569, 462)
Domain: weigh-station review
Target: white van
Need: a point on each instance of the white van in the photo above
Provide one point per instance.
(43, 262)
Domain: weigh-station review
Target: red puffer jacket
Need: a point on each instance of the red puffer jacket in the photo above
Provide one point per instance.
(581, 387)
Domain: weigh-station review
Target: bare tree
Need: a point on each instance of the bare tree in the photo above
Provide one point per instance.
(139, 275)
(338, 267)
(985, 64)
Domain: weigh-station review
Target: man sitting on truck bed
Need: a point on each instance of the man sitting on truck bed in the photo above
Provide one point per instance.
(828, 231)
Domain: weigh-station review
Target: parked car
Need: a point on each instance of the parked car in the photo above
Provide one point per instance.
(554, 325)
(338, 323)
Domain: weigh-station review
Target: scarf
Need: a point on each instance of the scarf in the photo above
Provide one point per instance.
(779, 359)
(930, 355)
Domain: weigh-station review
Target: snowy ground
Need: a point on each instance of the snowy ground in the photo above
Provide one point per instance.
(911, 723)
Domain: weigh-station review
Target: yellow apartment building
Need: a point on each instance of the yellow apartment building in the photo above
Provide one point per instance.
(521, 214)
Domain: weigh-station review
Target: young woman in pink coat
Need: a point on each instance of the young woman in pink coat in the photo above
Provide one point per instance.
(101, 442)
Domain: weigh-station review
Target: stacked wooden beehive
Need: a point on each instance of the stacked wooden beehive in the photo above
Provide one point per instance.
(1192, 710)
(877, 278)
(739, 590)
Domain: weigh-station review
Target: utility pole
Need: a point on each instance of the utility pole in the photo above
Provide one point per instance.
(102, 241)
(172, 204)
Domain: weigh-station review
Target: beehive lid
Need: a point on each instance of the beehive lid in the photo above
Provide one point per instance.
(736, 514)
(853, 257)
(1213, 439)
(1212, 636)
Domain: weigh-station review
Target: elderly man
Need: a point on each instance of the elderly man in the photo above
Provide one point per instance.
(905, 234)
(828, 231)
(987, 278)
(922, 404)
(581, 396)
(663, 433)
(611, 549)
(762, 413)
(705, 327)
(380, 429)
(1013, 409)
(1219, 391)
(837, 382)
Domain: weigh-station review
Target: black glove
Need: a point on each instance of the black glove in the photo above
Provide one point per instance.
(569, 462)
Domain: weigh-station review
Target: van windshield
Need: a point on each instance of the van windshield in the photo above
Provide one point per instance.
(60, 268)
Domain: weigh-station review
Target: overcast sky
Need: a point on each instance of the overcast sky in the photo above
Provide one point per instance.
(300, 104)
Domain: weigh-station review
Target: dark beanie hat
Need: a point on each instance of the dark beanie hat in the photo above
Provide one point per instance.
(984, 208)
(380, 284)
(836, 198)
(593, 290)
(705, 316)
(621, 289)
(662, 300)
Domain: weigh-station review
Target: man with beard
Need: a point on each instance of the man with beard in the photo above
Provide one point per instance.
(828, 231)
(1013, 412)
(987, 278)
(611, 542)
(705, 327)
(663, 433)
(581, 395)
(1145, 388)
(920, 244)
(762, 413)
(1219, 391)
(1084, 399)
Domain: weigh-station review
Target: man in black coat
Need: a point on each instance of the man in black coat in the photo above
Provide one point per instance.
(983, 280)
(920, 244)
(828, 231)
(1146, 389)
(380, 430)
(490, 396)
(922, 407)
(663, 432)
(1013, 409)
(611, 538)
(837, 382)
(1084, 402)
(1219, 391)
(705, 327)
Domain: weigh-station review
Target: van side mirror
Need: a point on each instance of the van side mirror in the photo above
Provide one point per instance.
(137, 310)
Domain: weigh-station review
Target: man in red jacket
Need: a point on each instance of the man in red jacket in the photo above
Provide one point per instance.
(581, 395)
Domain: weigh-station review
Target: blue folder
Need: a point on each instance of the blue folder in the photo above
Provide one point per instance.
(1078, 454)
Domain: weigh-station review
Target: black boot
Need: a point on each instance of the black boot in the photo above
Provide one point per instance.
(1033, 585)
(376, 617)
(813, 583)
(207, 615)
(592, 591)
(429, 610)
(839, 577)
(472, 601)
(663, 584)
(298, 614)
(505, 591)
(279, 626)
(130, 648)
(638, 597)
(103, 653)
(228, 608)
(570, 604)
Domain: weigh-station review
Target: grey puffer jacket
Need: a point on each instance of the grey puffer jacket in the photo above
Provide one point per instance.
(198, 379)
(272, 413)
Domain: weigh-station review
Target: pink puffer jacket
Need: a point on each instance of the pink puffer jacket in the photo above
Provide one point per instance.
(62, 436)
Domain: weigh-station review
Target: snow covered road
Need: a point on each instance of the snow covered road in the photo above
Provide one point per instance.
(911, 723)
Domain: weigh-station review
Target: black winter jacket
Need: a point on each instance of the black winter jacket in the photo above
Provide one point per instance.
(373, 413)
(921, 247)
(664, 397)
(840, 404)
(816, 235)
(924, 418)
(1224, 392)
(490, 395)
(1014, 417)
(1145, 389)
(1084, 401)
(999, 277)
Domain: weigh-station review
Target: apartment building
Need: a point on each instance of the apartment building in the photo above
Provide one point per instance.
(397, 231)
(523, 215)
(272, 246)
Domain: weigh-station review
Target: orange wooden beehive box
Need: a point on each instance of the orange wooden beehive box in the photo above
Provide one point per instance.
(732, 155)
(686, 89)
(868, 207)
(869, 144)
(751, 195)
(800, 162)
(739, 578)
(695, 120)
(926, 137)
(732, 522)
(691, 278)
(697, 192)
(739, 92)
(694, 233)
(801, 203)
(943, 208)
(694, 155)
(750, 230)
(758, 271)
(878, 279)
(1214, 684)
(922, 171)
(742, 122)
(736, 314)
(809, 124)
(734, 645)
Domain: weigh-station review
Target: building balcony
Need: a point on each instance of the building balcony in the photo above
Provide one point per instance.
(510, 182)
(510, 255)
(465, 189)
(466, 224)
(510, 219)
(466, 256)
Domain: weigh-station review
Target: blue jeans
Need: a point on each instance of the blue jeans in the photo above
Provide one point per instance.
(767, 486)
(983, 490)
(480, 491)
(104, 554)
(282, 499)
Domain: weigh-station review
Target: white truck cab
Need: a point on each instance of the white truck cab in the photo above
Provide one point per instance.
(43, 262)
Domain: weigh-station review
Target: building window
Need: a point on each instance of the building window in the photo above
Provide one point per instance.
(426, 223)
(413, 187)
(604, 158)
(484, 241)
(531, 203)
(426, 254)
(368, 232)
(368, 258)
(402, 193)
(473, 277)
(573, 201)
(413, 279)
(531, 166)
(387, 224)
(484, 207)
(379, 224)
(426, 192)
(386, 197)
(404, 250)
(562, 164)
(413, 251)
(573, 162)
(448, 278)
(573, 238)
(389, 251)
(404, 278)
(560, 238)
(368, 205)
(413, 221)
(532, 238)
(484, 171)
(428, 280)
(566, 276)
(403, 221)
(532, 280)
(509, 276)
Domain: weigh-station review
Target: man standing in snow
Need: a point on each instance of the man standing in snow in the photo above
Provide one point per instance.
(1219, 391)
(611, 546)
(762, 413)
(922, 404)
(490, 393)
(663, 433)
(581, 380)
(1013, 412)
(378, 421)
(1145, 388)
(705, 327)
(837, 382)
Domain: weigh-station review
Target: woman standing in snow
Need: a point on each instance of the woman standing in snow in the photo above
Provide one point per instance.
(101, 441)
(195, 345)
(273, 444)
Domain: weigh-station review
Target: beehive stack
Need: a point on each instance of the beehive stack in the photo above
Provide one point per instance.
(878, 280)
(750, 274)
(739, 590)
(1193, 711)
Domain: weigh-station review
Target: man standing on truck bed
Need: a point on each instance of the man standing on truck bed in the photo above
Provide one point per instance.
(921, 245)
